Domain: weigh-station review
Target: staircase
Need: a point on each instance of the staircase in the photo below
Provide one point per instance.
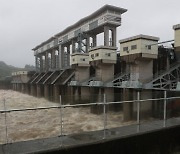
(167, 80)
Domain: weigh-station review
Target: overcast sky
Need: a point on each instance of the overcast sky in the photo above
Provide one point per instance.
(26, 23)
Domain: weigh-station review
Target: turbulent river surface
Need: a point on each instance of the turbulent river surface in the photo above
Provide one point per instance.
(27, 125)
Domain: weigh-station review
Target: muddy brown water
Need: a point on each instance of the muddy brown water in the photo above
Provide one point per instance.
(28, 125)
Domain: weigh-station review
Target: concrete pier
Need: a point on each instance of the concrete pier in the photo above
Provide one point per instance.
(56, 93)
(33, 90)
(40, 90)
(46, 91)
(139, 59)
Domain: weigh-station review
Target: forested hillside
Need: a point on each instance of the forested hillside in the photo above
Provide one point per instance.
(6, 70)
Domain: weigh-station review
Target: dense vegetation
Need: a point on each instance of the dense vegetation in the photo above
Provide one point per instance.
(6, 70)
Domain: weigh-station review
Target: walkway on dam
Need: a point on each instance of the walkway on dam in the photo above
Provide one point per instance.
(88, 138)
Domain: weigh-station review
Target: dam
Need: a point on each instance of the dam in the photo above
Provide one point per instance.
(132, 80)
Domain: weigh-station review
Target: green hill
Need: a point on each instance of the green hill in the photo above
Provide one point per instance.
(6, 70)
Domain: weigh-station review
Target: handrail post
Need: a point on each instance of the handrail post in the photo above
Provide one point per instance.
(105, 115)
(138, 107)
(5, 116)
(61, 115)
(165, 109)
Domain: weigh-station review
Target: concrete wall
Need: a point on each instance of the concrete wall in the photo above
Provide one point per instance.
(141, 70)
(81, 73)
(177, 43)
(104, 72)
(129, 44)
(108, 55)
(145, 70)
(24, 78)
(177, 38)
(146, 107)
(141, 47)
(80, 59)
(21, 76)
(130, 109)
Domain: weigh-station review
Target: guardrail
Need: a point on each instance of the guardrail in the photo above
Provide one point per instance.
(105, 119)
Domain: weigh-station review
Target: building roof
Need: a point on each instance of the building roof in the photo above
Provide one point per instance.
(90, 17)
(141, 36)
(43, 43)
(175, 27)
(93, 15)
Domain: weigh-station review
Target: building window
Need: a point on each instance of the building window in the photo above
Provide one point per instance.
(149, 47)
(125, 48)
(83, 59)
(97, 54)
(108, 54)
(133, 47)
(73, 59)
(92, 56)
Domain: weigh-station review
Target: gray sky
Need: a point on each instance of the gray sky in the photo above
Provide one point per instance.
(26, 23)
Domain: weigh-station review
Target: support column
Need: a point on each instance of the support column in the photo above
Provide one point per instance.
(61, 57)
(146, 107)
(23, 87)
(53, 59)
(106, 36)
(26, 88)
(56, 93)
(113, 37)
(94, 37)
(46, 91)
(127, 107)
(76, 94)
(33, 90)
(81, 93)
(85, 94)
(15, 86)
(18, 87)
(73, 46)
(68, 55)
(109, 95)
(49, 61)
(104, 72)
(46, 61)
(87, 43)
(96, 96)
(57, 64)
(39, 93)
(37, 63)
(41, 63)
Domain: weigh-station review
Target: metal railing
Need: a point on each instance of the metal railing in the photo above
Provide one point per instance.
(139, 106)
(163, 72)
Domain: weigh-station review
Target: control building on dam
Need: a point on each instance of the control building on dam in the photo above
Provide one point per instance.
(70, 63)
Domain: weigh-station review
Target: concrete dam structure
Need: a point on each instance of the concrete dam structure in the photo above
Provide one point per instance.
(71, 63)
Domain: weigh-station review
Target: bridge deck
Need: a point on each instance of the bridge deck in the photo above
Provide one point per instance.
(87, 138)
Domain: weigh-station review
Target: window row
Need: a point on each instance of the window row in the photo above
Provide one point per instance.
(133, 47)
(82, 59)
(97, 55)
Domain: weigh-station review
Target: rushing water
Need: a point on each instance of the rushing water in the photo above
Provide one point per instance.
(27, 125)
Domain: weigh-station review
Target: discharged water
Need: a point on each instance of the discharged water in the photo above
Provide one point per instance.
(28, 125)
